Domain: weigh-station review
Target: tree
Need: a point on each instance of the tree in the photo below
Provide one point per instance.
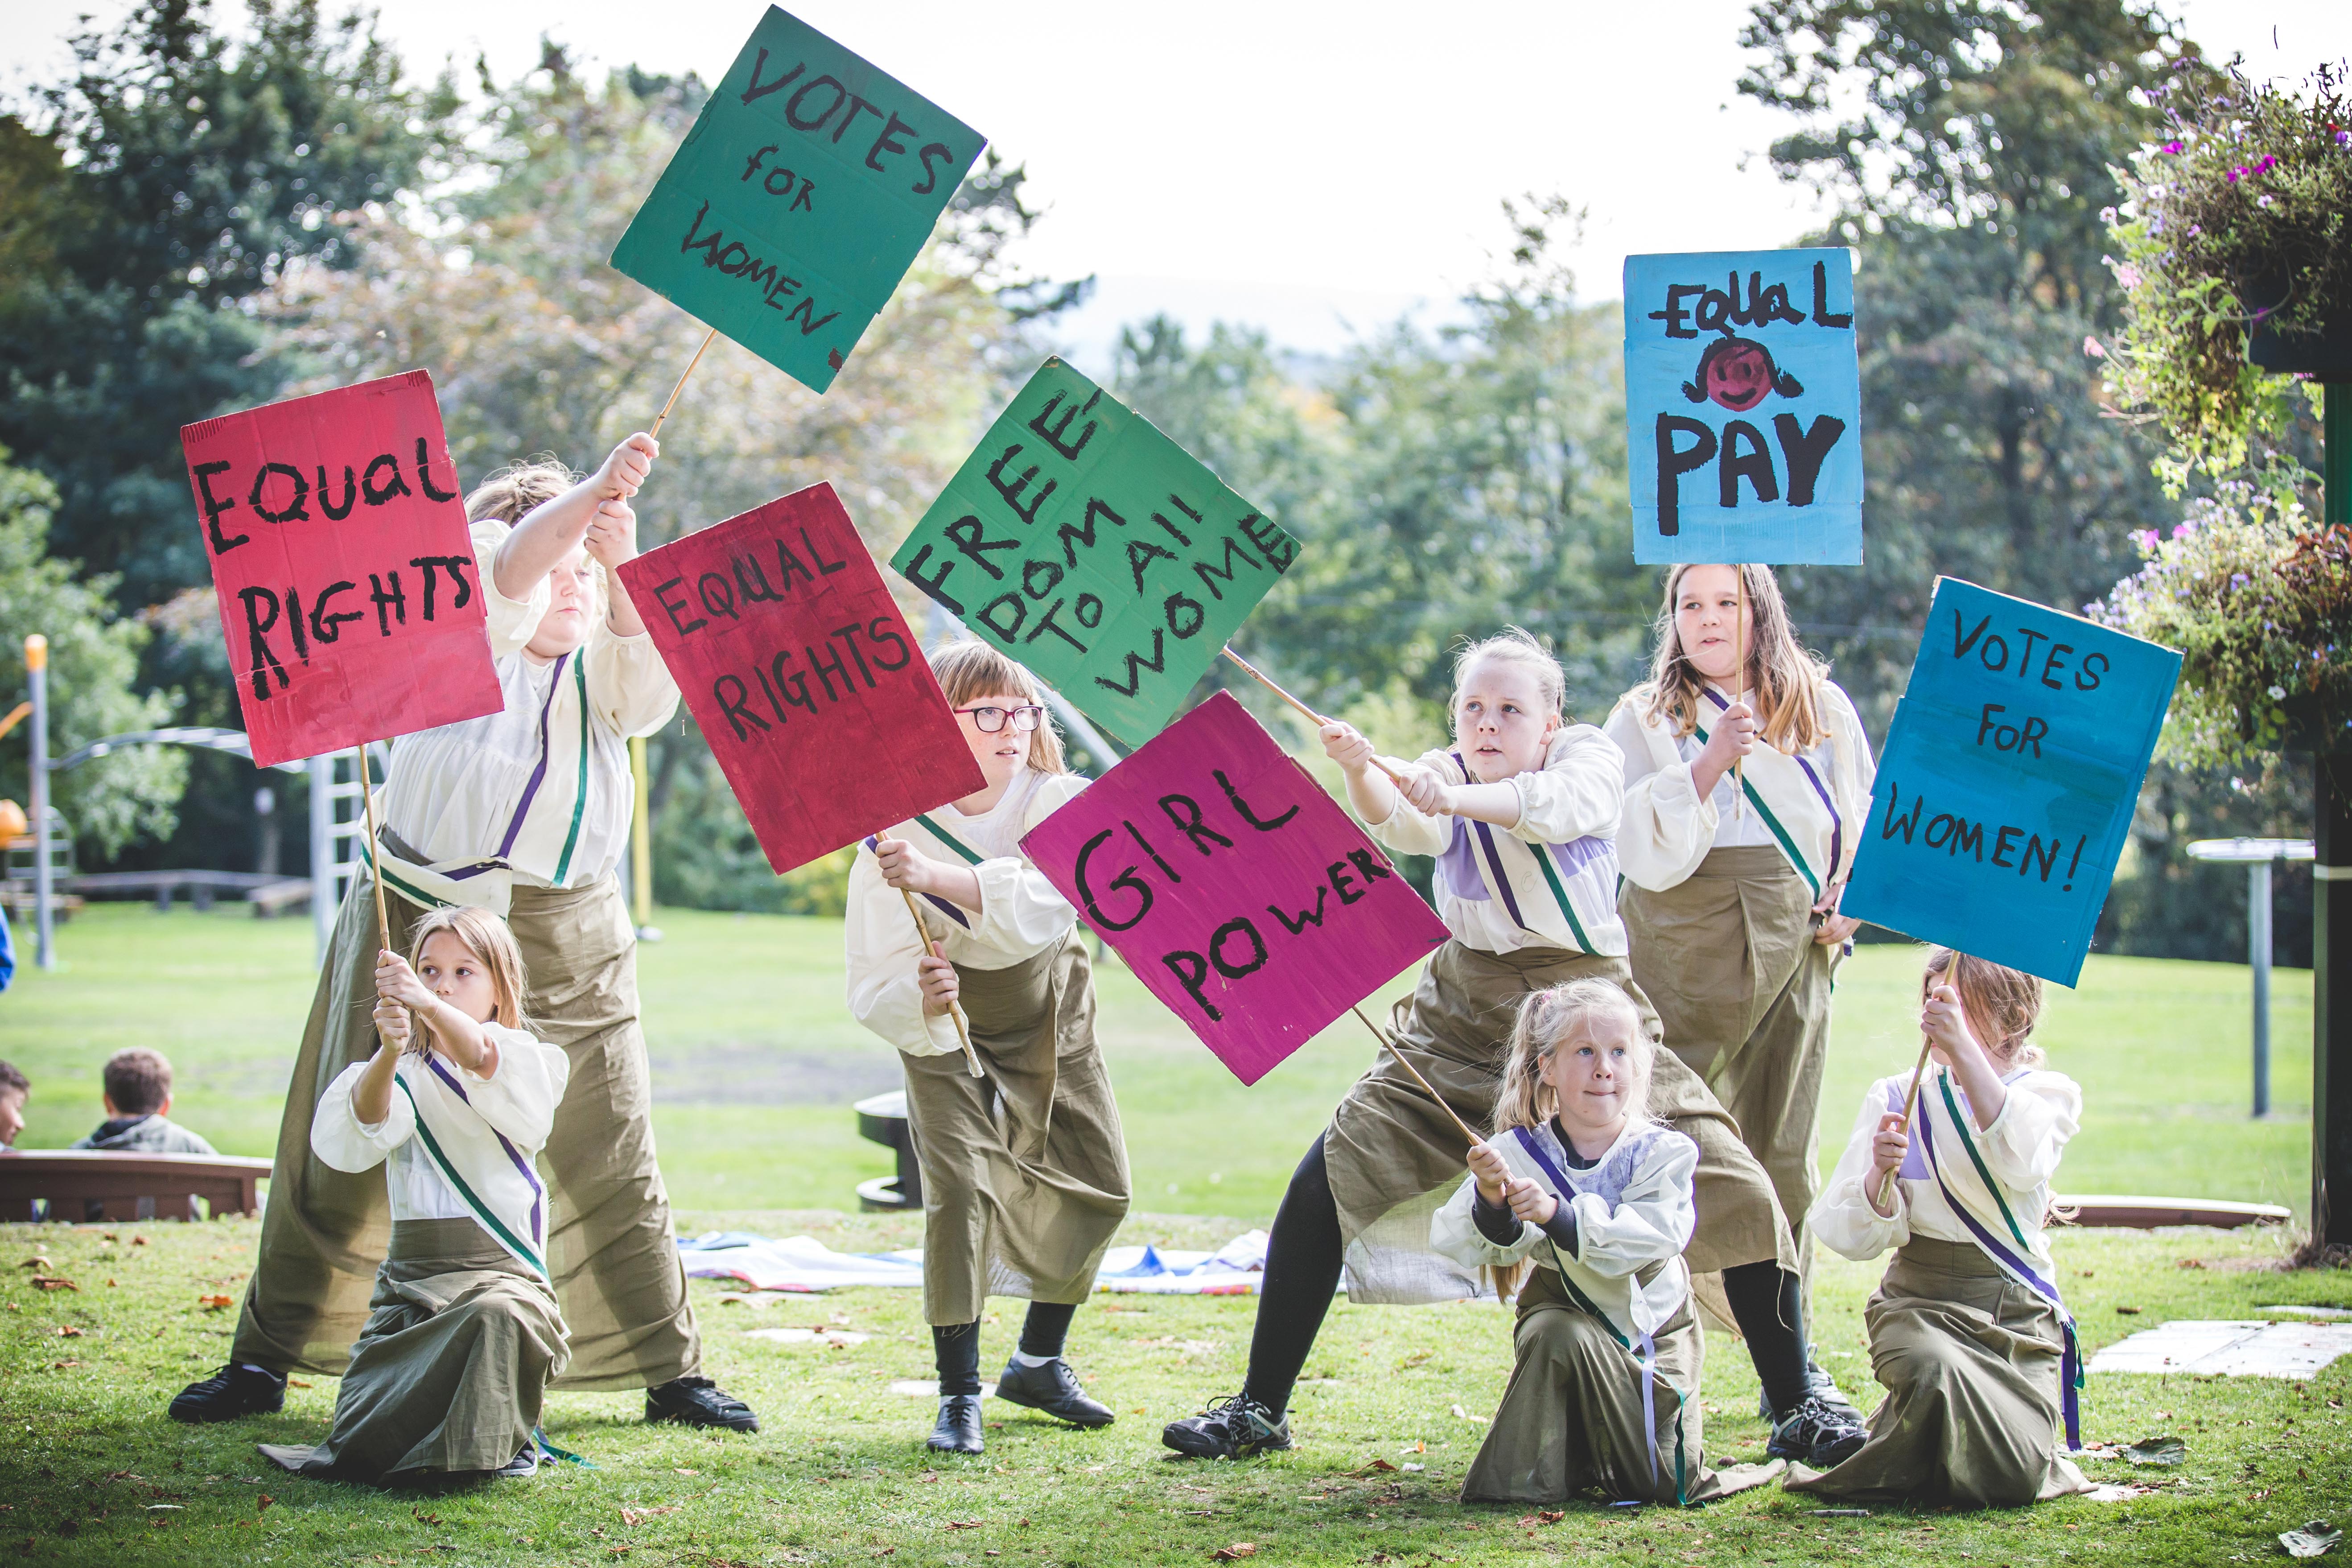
(1968, 145)
(93, 660)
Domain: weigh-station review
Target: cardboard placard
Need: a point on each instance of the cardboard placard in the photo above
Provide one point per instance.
(1743, 407)
(1234, 886)
(809, 183)
(2008, 781)
(1095, 551)
(809, 685)
(343, 568)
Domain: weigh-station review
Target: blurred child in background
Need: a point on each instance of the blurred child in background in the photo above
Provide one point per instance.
(138, 1101)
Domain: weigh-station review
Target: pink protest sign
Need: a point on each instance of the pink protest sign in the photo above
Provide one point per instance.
(1234, 886)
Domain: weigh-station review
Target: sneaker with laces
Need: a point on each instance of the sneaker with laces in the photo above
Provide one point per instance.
(1233, 1428)
(235, 1391)
(695, 1401)
(522, 1468)
(1816, 1434)
(1822, 1386)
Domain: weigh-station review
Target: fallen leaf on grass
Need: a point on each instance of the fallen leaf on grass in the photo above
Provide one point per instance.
(61, 1366)
(2189, 1263)
(1235, 1552)
(1465, 1415)
(431, 1518)
(682, 1470)
(2311, 1540)
(639, 1515)
(1377, 1467)
(53, 1282)
(262, 1502)
(2127, 1311)
(213, 1303)
(35, 1263)
(965, 1523)
(67, 1332)
(296, 1383)
(1548, 1516)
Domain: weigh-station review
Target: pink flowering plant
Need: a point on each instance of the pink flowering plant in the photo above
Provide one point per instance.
(2258, 601)
(2241, 215)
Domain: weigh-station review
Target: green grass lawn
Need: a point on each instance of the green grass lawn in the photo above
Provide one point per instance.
(755, 1060)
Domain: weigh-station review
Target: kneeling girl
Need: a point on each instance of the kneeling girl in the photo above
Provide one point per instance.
(1968, 1332)
(1025, 1170)
(1578, 1179)
(463, 1334)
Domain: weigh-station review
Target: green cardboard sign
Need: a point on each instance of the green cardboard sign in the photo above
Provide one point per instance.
(1095, 551)
(800, 198)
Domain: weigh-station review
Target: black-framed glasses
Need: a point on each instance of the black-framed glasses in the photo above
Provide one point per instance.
(990, 721)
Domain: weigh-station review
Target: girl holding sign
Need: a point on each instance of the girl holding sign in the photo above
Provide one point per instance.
(1519, 814)
(1577, 1178)
(525, 811)
(464, 1333)
(1025, 1170)
(1735, 854)
(1967, 1329)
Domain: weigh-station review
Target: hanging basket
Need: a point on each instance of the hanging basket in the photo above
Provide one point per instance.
(2325, 355)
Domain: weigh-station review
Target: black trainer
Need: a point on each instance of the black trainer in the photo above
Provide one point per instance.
(1051, 1386)
(1822, 1386)
(695, 1401)
(958, 1431)
(233, 1392)
(1816, 1433)
(522, 1468)
(1233, 1428)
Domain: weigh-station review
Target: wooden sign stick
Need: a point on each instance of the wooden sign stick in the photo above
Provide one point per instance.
(1301, 709)
(955, 1011)
(674, 391)
(1911, 1101)
(1739, 686)
(1378, 1035)
(375, 863)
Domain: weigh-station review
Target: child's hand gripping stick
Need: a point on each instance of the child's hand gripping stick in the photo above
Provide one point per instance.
(955, 1009)
(1305, 712)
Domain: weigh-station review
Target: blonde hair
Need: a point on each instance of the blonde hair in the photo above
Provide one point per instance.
(1782, 679)
(969, 670)
(516, 491)
(1513, 645)
(2005, 1001)
(1547, 1018)
(487, 939)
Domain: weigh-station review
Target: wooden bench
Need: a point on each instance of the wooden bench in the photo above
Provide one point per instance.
(2135, 1212)
(882, 1118)
(97, 1184)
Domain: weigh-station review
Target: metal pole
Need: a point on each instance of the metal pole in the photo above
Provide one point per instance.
(37, 677)
(2258, 956)
(322, 855)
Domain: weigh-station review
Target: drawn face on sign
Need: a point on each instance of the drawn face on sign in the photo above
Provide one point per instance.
(1737, 375)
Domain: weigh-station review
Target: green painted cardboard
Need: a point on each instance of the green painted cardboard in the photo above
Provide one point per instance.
(1095, 551)
(802, 195)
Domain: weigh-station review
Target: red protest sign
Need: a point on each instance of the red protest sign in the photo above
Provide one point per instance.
(808, 684)
(1234, 886)
(343, 568)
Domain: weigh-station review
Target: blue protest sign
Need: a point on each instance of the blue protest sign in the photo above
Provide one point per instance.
(1743, 407)
(2008, 780)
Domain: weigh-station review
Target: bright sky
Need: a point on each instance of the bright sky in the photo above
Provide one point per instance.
(1296, 163)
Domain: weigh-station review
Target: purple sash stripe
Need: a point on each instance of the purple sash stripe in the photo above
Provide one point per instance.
(1577, 853)
(537, 1193)
(1494, 860)
(1837, 823)
(1457, 868)
(539, 774)
(945, 907)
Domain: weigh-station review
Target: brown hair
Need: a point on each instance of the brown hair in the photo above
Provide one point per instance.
(1548, 1018)
(138, 1081)
(1514, 645)
(969, 670)
(2005, 1000)
(12, 1082)
(516, 491)
(487, 939)
(1783, 679)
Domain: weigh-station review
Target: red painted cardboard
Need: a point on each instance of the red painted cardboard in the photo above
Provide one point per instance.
(345, 574)
(1234, 886)
(809, 685)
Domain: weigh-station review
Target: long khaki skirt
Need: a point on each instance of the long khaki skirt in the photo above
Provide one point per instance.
(1394, 1155)
(1972, 1362)
(610, 1244)
(448, 1374)
(1571, 1421)
(1024, 1171)
(1743, 991)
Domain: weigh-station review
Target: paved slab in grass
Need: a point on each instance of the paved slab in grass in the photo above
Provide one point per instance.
(2228, 1349)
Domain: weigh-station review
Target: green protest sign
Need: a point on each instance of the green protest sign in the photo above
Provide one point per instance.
(800, 198)
(1095, 549)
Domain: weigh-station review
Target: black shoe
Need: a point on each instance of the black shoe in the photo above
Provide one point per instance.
(958, 1431)
(233, 1392)
(699, 1402)
(1233, 1428)
(1820, 1385)
(1816, 1434)
(522, 1468)
(1052, 1387)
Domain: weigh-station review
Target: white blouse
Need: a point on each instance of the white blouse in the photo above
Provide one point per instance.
(1668, 830)
(1650, 1222)
(1549, 881)
(2022, 1149)
(518, 1099)
(1020, 916)
(544, 783)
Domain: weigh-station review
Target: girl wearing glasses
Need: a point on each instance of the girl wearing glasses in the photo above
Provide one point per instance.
(1024, 1171)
